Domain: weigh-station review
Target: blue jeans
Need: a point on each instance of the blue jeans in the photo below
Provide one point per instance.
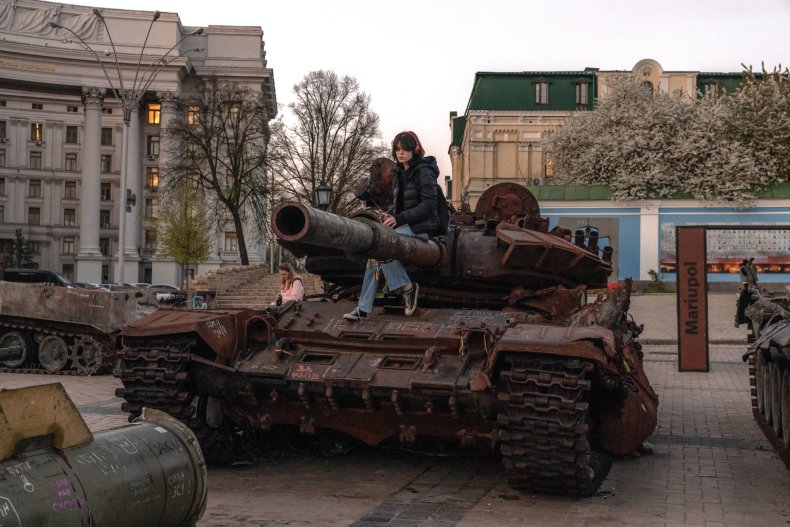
(393, 271)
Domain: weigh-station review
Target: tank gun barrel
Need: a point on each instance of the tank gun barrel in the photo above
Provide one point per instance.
(295, 222)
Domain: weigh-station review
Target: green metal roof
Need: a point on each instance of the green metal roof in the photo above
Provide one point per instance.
(515, 91)
(459, 124)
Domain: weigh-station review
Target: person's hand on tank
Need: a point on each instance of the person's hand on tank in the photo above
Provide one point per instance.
(389, 220)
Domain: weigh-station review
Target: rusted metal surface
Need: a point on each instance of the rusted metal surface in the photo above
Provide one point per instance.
(500, 355)
(62, 330)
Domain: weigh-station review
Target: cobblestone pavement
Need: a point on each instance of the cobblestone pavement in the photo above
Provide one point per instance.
(711, 467)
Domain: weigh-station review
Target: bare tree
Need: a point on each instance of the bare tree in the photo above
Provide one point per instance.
(333, 139)
(220, 142)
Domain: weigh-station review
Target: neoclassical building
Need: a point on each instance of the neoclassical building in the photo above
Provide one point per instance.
(499, 137)
(61, 131)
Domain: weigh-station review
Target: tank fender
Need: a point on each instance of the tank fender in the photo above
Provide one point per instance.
(224, 331)
(590, 343)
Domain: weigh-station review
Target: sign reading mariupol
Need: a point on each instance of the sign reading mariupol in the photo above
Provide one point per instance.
(692, 299)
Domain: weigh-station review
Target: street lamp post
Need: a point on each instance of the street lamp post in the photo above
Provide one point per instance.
(322, 195)
(130, 98)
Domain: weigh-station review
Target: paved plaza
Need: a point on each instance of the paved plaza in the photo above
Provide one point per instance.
(712, 466)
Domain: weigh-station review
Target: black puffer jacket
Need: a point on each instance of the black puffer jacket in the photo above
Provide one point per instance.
(416, 199)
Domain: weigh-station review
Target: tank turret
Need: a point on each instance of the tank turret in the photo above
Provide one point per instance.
(503, 248)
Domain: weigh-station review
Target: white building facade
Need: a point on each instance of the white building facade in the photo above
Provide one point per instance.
(61, 132)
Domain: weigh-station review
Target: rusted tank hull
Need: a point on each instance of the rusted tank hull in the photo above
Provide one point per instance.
(488, 379)
(58, 329)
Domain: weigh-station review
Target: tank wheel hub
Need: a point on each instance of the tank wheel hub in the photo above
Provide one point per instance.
(15, 339)
(85, 355)
(53, 353)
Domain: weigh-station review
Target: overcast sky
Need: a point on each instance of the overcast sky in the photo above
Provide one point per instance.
(417, 58)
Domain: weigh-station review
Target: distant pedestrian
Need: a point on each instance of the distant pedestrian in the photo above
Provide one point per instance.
(743, 270)
(751, 271)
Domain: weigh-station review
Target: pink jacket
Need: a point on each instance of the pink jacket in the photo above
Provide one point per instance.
(295, 292)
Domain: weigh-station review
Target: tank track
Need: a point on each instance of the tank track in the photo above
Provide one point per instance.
(103, 343)
(156, 374)
(545, 431)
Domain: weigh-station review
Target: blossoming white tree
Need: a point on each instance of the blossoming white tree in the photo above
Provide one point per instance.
(657, 145)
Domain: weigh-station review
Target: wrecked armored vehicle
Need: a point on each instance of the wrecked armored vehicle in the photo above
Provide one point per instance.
(502, 353)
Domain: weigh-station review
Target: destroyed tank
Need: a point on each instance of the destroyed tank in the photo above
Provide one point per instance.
(51, 329)
(502, 353)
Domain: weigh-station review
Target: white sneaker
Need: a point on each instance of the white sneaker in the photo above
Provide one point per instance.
(410, 299)
(356, 314)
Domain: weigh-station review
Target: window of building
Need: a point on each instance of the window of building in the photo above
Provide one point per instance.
(72, 134)
(104, 246)
(104, 219)
(2, 186)
(70, 190)
(37, 106)
(154, 113)
(36, 131)
(34, 247)
(35, 160)
(69, 217)
(193, 114)
(105, 273)
(71, 108)
(711, 88)
(71, 162)
(542, 92)
(234, 112)
(106, 163)
(68, 271)
(581, 92)
(152, 178)
(34, 216)
(2, 213)
(2, 158)
(3, 131)
(648, 86)
(150, 239)
(106, 136)
(2, 104)
(68, 245)
(149, 208)
(152, 146)
(106, 111)
(106, 191)
(231, 241)
(549, 169)
(34, 188)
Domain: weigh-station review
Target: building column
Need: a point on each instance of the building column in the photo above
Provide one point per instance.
(165, 270)
(649, 237)
(89, 258)
(134, 182)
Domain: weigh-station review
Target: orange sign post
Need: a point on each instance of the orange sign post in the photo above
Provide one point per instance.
(692, 299)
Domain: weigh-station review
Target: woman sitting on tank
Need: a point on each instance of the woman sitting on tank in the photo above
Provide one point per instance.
(291, 285)
(414, 213)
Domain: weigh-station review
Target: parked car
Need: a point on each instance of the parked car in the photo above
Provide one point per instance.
(88, 285)
(140, 285)
(167, 294)
(36, 276)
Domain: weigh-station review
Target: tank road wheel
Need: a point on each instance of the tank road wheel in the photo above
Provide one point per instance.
(85, 356)
(759, 376)
(786, 407)
(544, 432)
(776, 398)
(16, 339)
(53, 353)
(767, 391)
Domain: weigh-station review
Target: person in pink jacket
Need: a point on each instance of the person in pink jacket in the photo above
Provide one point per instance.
(291, 285)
